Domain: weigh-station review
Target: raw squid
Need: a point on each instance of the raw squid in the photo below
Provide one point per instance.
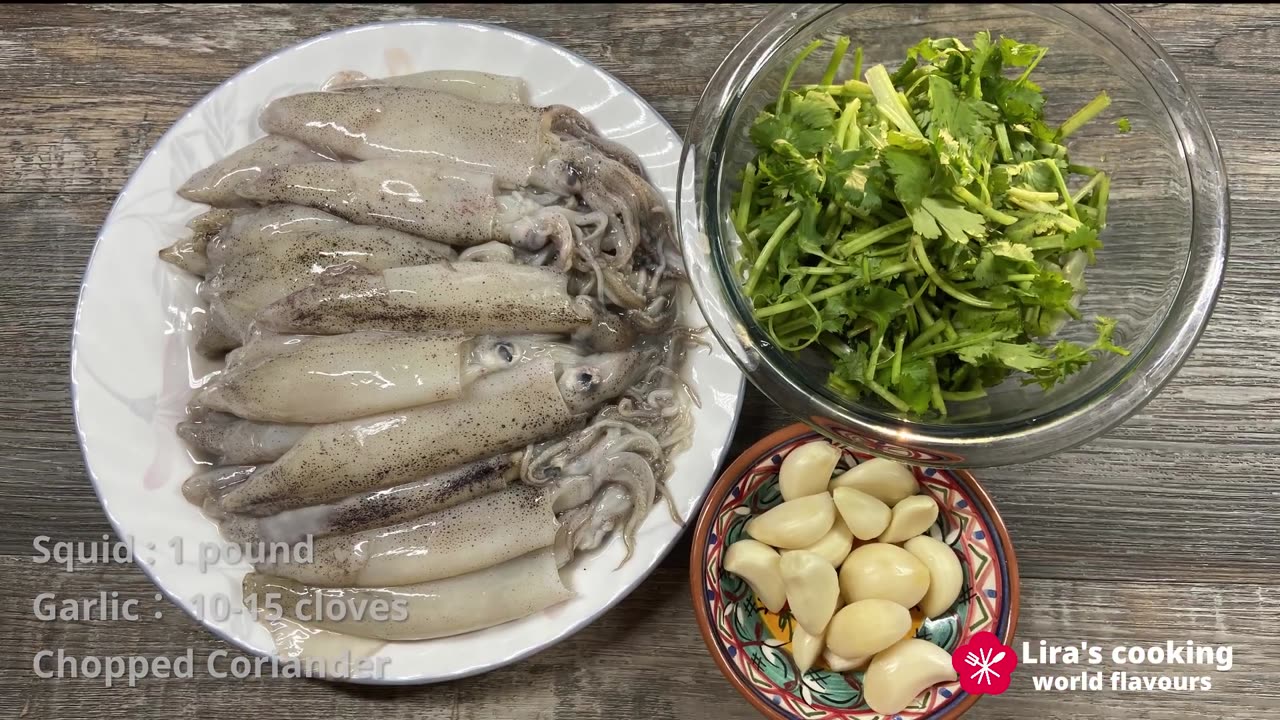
(244, 282)
(431, 417)
(553, 148)
(453, 206)
(212, 484)
(469, 84)
(378, 508)
(232, 441)
(450, 606)
(476, 534)
(317, 379)
(586, 527)
(627, 444)
(218, 184)
(516, 143)
(191, 253)
(499, 413)
(469, 297)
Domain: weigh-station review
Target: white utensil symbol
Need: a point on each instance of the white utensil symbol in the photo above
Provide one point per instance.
(983, 662)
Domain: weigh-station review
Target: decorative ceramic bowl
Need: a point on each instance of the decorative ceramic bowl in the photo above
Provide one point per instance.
(752, 645)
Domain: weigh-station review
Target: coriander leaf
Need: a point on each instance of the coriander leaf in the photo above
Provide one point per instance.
(912, 175)
(975, 353)
(1084, 238)
(924, 224)
(1020, 102)
(1020, 356)
(914, 384)
(816, 110)
(1018, 54)
(879, 305)
(958, 223)
(963, 117)
(1049, 289)
(985, 273)
(906, 142)
(1013, 251)
(1032, 224)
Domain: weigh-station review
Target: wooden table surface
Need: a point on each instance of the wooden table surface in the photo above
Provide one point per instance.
(1166, 529)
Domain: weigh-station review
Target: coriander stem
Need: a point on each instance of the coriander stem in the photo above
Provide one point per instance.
(1046, 242)
(1031, 196)
(987, 211)
(846, 121)
(851, 139)
(1027, 73)
(744, 200)
(923, 258)
(1081, 170)
(892, 250)
(1022, 277)
(889, 397)
(835, 345)
(1100, 200)
(758, 268)
(927, 335)
(837, 55)
(1084, 115)
(962, 395)
(790, 305)
(935, 389)
(791, 72)
(870, 373)
(966, 341)
(1002, 140)
(856, 88)
(1084, 189)
(857, 62)
(889, 102)
(895, 371)
(853, 244)
(1062, 188)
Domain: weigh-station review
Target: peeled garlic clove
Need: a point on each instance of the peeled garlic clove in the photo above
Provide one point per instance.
(867, 627)
(865, 515)
(795, 523)
(843, 664)
(911, 517)
(945, 574)
(887, 481)
(897, 675)
(885, 572)
(805, 647)
(757, 564)
(813, 590)
(807, 470)
(833, 547)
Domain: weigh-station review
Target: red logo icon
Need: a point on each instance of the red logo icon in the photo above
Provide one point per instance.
(984, 665)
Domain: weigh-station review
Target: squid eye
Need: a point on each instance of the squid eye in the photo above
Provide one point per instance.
(506, 352)
(587, 379)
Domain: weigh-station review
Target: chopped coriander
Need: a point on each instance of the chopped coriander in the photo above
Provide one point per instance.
(924, 227)
(1123, 125)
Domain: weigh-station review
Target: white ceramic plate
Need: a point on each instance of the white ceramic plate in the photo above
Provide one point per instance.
(133, 370)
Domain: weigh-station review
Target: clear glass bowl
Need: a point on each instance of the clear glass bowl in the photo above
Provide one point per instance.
(1158, 274)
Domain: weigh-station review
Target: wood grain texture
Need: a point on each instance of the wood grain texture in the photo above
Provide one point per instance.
(1165, 529)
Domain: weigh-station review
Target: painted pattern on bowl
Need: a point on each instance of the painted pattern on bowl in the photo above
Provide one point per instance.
(755, 643)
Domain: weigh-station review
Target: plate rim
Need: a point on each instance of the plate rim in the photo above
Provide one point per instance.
(149, 571)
